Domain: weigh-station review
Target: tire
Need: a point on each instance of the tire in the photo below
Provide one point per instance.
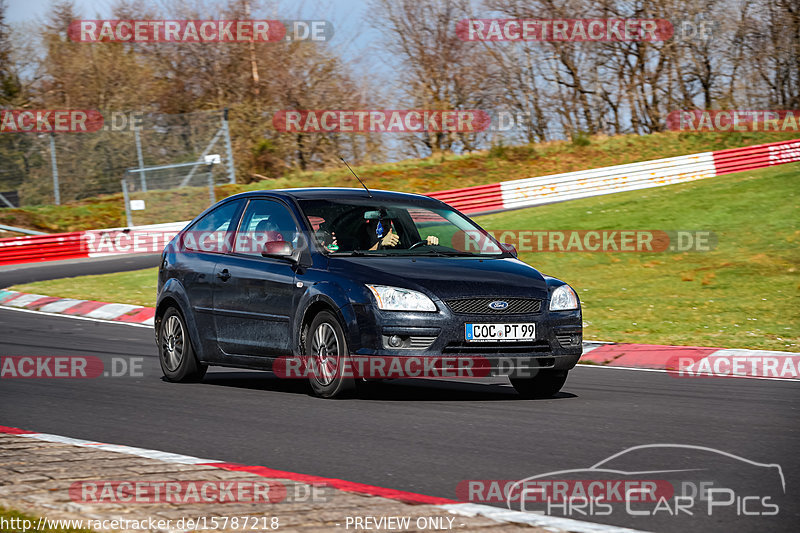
(545, 384)
(326, 348)
(175, 353)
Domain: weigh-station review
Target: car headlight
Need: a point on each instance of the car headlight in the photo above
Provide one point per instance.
(396, 299)
(563, 298)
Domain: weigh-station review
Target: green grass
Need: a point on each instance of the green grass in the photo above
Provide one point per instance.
(412, 175)
(743, 294)
(9, 515)
(137, 287)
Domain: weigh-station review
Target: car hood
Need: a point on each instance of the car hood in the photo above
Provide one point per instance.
(447, 277)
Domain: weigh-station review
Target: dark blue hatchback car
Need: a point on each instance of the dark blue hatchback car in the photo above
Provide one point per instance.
(327, 276)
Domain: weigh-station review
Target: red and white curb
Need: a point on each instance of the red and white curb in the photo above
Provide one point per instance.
(132, 314)
(695, 361)
(452, 506)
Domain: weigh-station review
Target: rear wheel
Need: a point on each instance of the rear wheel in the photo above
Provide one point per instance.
(176, 355)
(326, 349)
(545, 384)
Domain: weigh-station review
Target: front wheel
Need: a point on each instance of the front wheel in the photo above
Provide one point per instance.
(178, 360)
(326, 349)
(545, 384)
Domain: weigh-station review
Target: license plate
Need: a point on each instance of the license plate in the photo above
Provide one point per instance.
(500, 332)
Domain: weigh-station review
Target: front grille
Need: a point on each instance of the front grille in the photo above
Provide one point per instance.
(420, 343)
(480, 306)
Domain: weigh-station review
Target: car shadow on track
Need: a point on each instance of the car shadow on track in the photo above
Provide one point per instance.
(390, 390)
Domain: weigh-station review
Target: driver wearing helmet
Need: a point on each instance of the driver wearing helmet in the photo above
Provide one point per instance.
(382, 234)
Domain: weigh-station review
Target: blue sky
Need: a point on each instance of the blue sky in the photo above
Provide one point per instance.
(33, 10)
(353, 35)
(348, 14)
(24, 10)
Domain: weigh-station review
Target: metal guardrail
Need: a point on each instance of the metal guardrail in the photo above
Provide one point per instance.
(39, 248)
(25, 231)
(82, 244)
(528, 192)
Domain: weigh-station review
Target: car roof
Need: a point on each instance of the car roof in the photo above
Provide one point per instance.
(313, 193)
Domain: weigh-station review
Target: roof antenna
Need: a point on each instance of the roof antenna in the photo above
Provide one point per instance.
(354, 174)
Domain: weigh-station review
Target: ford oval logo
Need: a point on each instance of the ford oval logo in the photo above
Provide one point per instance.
(498, 305)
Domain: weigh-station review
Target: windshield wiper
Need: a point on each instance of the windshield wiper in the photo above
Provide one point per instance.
(353, 253)
(446, 253)
(358, 253)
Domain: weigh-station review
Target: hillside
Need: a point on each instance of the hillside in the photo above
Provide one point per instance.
(414, 175)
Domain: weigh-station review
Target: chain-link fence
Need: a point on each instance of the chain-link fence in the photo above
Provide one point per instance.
(168, 193)
(47, 168)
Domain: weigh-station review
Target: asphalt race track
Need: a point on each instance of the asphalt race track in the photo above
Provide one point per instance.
(16, 274)
(419, 436)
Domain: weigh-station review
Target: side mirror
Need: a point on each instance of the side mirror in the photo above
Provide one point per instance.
(278, 250)
(509, 248)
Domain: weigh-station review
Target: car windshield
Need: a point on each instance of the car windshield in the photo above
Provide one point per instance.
(390, 227)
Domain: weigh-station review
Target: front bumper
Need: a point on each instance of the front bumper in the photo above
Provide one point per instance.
(558, 342)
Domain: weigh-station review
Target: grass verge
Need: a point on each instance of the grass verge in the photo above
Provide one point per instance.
(743, 294)
(136, 287)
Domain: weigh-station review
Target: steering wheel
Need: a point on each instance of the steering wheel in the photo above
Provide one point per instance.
(420, 243)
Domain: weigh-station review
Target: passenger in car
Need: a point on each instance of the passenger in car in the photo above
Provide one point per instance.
(383, 234)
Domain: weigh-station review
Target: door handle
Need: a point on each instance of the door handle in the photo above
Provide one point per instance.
(224, 275)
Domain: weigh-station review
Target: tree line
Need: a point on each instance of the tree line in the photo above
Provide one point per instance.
(723, 54)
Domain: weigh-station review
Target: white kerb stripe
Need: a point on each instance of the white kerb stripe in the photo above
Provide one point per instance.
(110, 311)
(25, 299)
(60, 306)
(118, 448)
(742, 352)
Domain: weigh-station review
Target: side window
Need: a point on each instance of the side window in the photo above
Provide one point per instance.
(264, 221)
(209, 233)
